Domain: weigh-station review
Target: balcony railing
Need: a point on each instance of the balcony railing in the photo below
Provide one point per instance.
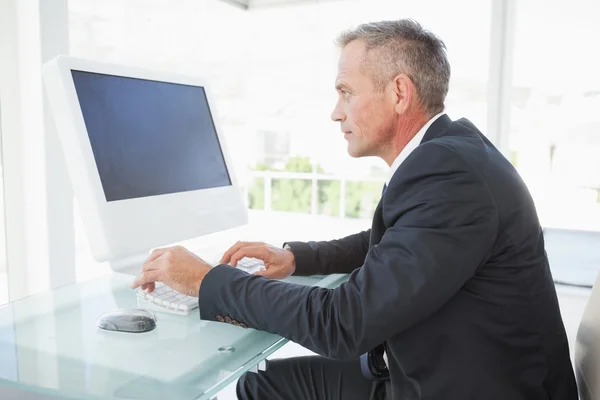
(268, 177)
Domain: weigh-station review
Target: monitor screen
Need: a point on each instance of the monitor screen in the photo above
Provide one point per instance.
(149, 138)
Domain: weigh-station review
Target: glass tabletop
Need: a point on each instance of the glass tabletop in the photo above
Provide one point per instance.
(50, 344)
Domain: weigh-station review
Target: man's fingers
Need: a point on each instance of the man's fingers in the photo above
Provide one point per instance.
(155, 254)
(227, 255)
(232, 250)
(145, 278)
(154, 264)
(150, 287)
(259, 252)
(235, 248)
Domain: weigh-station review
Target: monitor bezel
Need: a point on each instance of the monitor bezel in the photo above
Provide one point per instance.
(125, 228)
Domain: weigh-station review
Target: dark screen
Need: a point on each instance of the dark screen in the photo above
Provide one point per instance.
(148, 137)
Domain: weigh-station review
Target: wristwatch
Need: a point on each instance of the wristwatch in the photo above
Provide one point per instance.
(373, 364)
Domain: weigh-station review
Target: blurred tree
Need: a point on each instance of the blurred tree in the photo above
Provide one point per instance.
(256, 194)
(362, 198)
(295, 195)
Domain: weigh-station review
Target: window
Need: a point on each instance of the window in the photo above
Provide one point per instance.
(290, 85)
(555, 127)
(3, 265)
(186, 36)
(272, 70)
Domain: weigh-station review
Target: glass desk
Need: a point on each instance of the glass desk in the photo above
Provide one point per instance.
(50, 345)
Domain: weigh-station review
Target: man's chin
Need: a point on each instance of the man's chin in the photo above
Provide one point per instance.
(354, 153)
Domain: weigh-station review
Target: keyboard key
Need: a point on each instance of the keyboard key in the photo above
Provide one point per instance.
(168, 300)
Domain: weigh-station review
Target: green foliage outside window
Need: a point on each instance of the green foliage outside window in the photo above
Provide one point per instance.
(295, 195)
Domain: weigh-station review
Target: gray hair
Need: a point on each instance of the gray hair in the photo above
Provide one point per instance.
(403, 46)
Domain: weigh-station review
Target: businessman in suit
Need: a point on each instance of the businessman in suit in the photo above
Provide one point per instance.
(450, 295)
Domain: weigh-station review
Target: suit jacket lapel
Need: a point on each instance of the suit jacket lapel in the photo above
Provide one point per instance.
(377, 227)
(436, 129)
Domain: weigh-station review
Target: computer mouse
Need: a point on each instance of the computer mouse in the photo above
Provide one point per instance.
(134, 320)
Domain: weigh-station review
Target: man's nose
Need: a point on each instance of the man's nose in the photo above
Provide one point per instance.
(337, 115)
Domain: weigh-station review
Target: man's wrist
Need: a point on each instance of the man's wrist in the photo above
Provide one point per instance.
(293, 260)
(198, 282)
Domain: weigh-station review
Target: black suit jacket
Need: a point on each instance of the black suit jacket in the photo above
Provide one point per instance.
(452, 277)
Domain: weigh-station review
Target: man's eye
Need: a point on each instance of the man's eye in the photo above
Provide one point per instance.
(345, 93)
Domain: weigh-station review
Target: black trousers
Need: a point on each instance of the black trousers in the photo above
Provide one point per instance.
(309, 378)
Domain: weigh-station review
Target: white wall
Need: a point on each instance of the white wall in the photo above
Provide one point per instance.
(38, 196)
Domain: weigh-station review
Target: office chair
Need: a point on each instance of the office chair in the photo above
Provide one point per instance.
(587, 348)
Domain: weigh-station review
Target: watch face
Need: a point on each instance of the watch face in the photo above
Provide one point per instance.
(379, 363)
(371, 365)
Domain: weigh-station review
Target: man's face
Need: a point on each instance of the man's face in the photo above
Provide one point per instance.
(366, 115)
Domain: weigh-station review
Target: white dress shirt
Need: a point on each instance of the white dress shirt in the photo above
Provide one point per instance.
(413, 144)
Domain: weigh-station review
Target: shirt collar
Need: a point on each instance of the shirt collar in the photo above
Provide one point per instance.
(413, 144)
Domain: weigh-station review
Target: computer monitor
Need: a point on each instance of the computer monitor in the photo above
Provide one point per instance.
(147, 161)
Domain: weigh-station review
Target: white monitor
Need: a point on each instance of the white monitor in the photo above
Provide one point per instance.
(147, 161)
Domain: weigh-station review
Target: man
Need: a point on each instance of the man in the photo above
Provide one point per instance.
(451, 283)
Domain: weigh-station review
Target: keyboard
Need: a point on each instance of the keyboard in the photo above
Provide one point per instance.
(165, 299)
(250, 265)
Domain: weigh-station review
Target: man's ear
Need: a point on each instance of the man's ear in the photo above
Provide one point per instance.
(405, 93)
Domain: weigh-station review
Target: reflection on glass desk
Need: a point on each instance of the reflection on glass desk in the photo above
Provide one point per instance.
(50, 344)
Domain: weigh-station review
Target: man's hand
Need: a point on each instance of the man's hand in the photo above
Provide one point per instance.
(279, 263)
(174, 266)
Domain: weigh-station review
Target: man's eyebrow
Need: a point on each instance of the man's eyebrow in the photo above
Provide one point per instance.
(340, 85)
